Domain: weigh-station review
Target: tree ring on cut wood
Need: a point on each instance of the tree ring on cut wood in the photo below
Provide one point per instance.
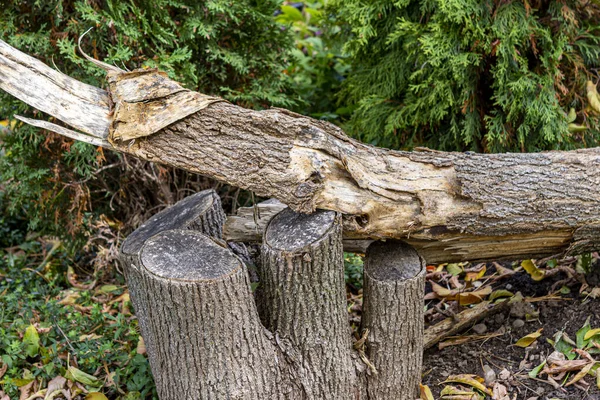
(201, 211)
(392, 260)
(187, 256)
(291, 231)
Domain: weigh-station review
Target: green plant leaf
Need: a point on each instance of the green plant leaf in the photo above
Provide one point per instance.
(534, 372)
(292, 13)
(31, 341)
(78, 375)
(581, 341)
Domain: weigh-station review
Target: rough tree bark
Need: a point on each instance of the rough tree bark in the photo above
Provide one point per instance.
(479, 206)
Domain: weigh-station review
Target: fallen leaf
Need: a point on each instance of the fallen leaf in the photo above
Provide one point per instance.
(26, 390)
(426, 392)
(533, 271)
(499, 392)
(454, 269)
(467, 298)
(108, 288)
(95, 396)
(3, 370)
(89, 336)
(70, 298)
(565, 366)
(72, 279)
(503, 271)
(581, 374)
(475, 275)
(471, 380)
(595, 293)
(453, 393)
(526, 341)
(78, 375)
(497, 294)
(141, 346)
(591, 333)
(443, 292)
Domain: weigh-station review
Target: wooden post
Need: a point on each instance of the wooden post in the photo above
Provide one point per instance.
(303, 298)
(393, 315)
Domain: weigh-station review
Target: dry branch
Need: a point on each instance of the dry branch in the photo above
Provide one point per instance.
(453, 205)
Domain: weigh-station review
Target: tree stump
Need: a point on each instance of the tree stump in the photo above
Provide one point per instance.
(207, 338)
(394, 283)
(202, 212)
(302, 298)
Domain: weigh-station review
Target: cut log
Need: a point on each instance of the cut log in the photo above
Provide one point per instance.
(466, 206)
(392, 319)
(302, 297)
(207, 339)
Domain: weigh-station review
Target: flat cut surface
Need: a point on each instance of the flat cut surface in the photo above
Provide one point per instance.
(187, 255)
(290, 230)
(173, 217)
(392, 260)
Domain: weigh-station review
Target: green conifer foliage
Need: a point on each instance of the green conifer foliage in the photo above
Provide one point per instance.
(229, 48)
(477, 75)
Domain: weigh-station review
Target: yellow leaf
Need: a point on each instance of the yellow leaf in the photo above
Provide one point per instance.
(526, 341)
(591, 333)
(497, 294)
(475, 275)
(475, 297)
(533, 271)
(426, 392)
(441, 291)
(95, 396)
(471, 380)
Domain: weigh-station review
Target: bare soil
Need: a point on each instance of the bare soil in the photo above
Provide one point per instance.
(499, 353)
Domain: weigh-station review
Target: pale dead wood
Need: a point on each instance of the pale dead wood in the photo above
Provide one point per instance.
(461, 321)
(452, 205)
(82, 106)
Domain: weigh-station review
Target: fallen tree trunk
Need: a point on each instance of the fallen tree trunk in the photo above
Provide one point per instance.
(458, 206)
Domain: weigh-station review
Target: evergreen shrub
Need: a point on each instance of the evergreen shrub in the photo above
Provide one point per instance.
(482, 75)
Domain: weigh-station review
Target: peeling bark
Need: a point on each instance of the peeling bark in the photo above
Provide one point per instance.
(463, 206)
